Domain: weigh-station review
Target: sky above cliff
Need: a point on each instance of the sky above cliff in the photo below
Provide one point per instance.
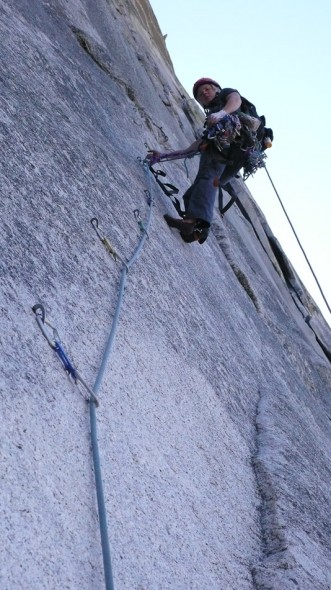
(277, 54)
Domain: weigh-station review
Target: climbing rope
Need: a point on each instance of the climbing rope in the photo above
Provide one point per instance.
(297, 238)
(56, 345)
(144, 227)
(255, 161)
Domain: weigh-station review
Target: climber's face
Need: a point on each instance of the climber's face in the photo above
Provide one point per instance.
(206, 93)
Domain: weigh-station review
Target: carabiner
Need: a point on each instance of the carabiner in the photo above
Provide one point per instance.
(40, 314)
(104, 240)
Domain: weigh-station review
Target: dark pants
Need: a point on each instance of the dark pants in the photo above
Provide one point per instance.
(199, 199)
(238, 159)
(214, 171)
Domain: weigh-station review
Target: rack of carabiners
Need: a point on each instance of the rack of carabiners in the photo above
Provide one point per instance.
(255, 160)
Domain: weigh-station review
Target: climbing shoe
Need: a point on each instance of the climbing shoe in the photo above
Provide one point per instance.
(185, 226)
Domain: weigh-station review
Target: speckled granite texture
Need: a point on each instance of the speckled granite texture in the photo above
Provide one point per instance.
(214, 417)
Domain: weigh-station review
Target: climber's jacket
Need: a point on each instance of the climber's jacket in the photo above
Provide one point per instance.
(252, 125)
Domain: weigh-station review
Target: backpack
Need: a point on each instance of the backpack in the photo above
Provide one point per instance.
(262, 132)
(248, 107)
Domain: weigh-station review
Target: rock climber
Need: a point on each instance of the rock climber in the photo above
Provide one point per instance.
(217, 166)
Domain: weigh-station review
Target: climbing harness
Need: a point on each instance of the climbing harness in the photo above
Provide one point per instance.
(222, 135)
(228, 188)
(56, 345)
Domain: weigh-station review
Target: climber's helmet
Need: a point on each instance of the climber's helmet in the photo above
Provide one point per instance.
(205, 90)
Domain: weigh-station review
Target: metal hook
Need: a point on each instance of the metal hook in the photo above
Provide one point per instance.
(150, 198)
(56, 345)
(103, 239)
(40, 314)
(39, 307)
(137, 216)
(95, 225)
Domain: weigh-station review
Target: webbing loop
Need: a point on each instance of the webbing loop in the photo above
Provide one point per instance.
(229, 204)
(169, 189)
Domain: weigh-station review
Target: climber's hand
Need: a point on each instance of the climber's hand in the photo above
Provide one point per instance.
(153, 156)
(214, 118)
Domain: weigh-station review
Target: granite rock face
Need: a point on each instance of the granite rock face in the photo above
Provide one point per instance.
(215, 413)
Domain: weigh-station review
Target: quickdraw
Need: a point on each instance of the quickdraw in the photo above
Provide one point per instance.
(55, 343)
(104, 240)
(138, 218)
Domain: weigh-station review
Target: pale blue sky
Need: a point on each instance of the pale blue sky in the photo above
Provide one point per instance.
(276, 53)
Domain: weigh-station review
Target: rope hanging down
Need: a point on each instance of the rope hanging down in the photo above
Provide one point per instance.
(297, 239)
(256, 160)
